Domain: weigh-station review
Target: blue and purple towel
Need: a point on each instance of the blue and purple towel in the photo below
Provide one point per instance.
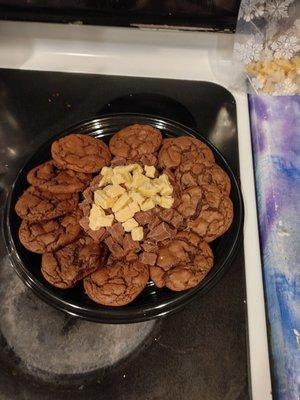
(275, 129)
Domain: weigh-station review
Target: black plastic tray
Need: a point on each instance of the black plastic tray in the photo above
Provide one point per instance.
(152, 302)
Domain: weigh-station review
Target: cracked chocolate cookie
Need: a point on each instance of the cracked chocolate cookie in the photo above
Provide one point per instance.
(136, 143)
(81, 153)
(52, 179)
(182, 263)
(119, 283)
(190, 203)
(216, 214)
(47, 236)
(176, 151)
(197, 173)
(37, 205)
(65, 267)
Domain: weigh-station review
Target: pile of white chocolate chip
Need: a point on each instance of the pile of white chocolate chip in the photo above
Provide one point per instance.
(126, 190)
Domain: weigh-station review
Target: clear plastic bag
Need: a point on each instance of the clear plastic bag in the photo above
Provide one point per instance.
(267, 46)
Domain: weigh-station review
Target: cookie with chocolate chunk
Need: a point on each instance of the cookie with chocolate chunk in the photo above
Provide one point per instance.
(216, 214)
(37, 205)
(117, 284)
(52, 179)
(182, 263)
(181, 149)
(81, 153)
(136, 143)
(65, 267)
(46, 236)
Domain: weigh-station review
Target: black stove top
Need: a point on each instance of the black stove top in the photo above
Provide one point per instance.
(198, 353)
(180, 14)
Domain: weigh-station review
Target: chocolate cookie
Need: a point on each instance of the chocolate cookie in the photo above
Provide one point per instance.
(47, 236)
(65, 267)
(215, 216)
(197, 173)
(184, 148)
(136, 143)
(37, 205)
(119, 283)
(81, 153)
(190, 203)
(48, 177)
(182, 263)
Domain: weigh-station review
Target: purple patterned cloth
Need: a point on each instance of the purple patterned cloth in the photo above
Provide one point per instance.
(275, 130)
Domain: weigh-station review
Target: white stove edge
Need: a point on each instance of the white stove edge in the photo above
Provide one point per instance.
(177, 55)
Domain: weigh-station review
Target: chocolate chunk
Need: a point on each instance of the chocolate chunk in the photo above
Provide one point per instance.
(143, 217)
(88, 193)
(131, 257)
(148, 258)
(127, 248)
(154, 221)
(149, 246)
(117, 232)
(116, 250)
(161, 232)
(85, 207)
(172, 216)
(130, 245)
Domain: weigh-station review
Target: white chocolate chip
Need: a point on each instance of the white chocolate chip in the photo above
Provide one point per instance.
(124, 214)
(137, 233)
(150, 171)
(130, 224)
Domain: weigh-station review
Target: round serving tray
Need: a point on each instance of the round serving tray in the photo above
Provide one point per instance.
(152, 302)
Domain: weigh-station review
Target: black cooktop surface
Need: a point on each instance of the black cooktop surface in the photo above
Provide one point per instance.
(204, 14)
(198, 353)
